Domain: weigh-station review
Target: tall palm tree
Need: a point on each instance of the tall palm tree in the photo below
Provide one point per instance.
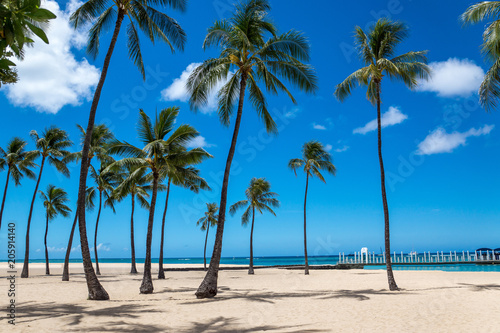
(489, 90)
(314, 159)
(207, 221)
(18, 162)
(101, 135)
(154, 158)
(377, 52)
(54, 201)
(258, 198)
(51, 146)
(254, 53)
(156, 26)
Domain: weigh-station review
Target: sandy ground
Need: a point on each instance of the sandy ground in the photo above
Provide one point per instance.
(273, 300)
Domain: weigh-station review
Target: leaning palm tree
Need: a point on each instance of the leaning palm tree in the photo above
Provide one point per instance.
(314, 159)
(54, 201)
(376, 49)
(253, 52)
(157, 26)
(489, 91)
(51, 146)
(154, 158)
(258, 198)
(207, 221)
(18, 162)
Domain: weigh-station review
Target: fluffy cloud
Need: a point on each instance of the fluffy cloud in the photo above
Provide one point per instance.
(199, 142)
(328, 147)
(439, 141)
(292, 113)
(453, 77)
(50, 77)
(318, 127)
(392, 117)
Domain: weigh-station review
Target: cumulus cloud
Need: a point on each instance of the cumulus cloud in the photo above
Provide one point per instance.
(199, 142)
(392, 117)
(318, 127)
(438, 141)
(50, 76)
(453, 78)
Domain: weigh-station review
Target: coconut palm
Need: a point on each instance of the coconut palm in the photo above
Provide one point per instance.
(253, 52)
(377, 52)
(207, 221)
(156, 26)
(258, 198)
(54, 201)
(51, 146)
(489, 91)
(154, 158)
(18, 162)
(314, 159)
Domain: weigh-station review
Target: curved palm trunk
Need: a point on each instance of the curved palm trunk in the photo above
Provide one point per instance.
(306, 265)
(205, 250)
(47, 270)
(390, 275)
(25, 273)
(95, 289)
(147, 283)
(250, 267)
(97, 271)
(4, 196)
(133, 269)
(65, 276)
(208, 287)
(161, 273)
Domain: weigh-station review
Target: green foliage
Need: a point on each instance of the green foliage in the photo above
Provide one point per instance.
(18, 160)
(314, 160)
(52, 145)
(210, 218)
(54, 201)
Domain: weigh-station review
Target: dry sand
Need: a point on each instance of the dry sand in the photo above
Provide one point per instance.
(273, 300)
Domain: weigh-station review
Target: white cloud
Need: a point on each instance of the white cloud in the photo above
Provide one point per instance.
(441, 142)
(199, 142)
(49, 76)
(340, 150)
(392, 117)
(453, 77)
(102, 247)
(328, 147)
(56, 249)
(318, 127)
(292, 113)
(77, 248)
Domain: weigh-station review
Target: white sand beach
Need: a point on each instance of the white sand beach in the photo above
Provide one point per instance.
(273, 300)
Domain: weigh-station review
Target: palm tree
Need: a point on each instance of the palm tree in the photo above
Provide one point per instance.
(489, 90)
(19, 163)
(54, 201)
(51, 146)
(210, 219)
(376, 51)
(154, 157)
(258, 198)
(314, 160)
(101, 135)
(157, 26)
(253, 52)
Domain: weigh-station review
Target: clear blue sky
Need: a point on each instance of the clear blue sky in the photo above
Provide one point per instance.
(440, 148)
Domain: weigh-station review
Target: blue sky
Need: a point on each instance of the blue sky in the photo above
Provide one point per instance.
(440, 147)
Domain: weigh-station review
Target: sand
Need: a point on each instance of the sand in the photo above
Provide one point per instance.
(272, 300)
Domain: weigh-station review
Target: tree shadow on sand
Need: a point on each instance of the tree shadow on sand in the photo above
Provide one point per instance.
(481, 287)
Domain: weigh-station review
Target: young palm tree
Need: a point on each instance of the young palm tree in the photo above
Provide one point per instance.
(377, 49)
(54, 201)
(19, 163)
(51, 146)
(259, 198)
(489, 90)
(154, 158)
(210, 219)
(157, 26)
(314, 160)
(254, 53)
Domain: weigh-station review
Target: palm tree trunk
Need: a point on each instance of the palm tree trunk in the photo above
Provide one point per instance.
(25, 273)
(250, 267)
(4, 196)
(98, 272)
(161, 273)
(133, 269)
(47, 270)
(65, 276)
(305, 229)
(95, 289)
(147, 283)
(205, 250)
(390, 275)
(208, 287)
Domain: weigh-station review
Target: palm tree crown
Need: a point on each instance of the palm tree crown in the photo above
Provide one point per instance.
(54, 201)
(210, 218)
(314, 160)
(18, 160)
(51, 145)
